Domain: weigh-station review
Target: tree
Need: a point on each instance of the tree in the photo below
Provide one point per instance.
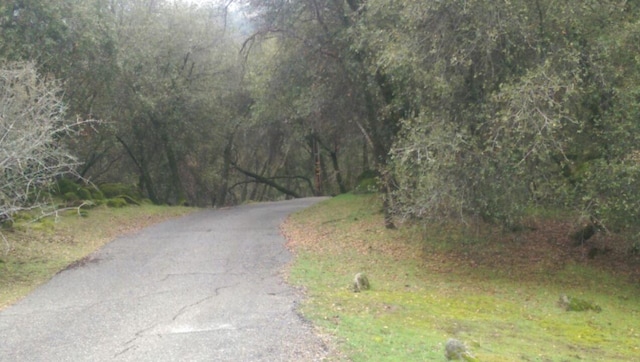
(321, 84)
(32, 126)
(515, 105)
(177, 84)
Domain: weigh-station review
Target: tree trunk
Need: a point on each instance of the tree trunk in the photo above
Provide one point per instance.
(221, 199)
(365, 155)
(176, 183)
(336, 169)
(317, 165)
(145, 178)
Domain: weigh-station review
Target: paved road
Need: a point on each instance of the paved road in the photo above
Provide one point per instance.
(206, 287)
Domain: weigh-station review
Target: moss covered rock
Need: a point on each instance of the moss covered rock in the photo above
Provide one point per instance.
(456, 350)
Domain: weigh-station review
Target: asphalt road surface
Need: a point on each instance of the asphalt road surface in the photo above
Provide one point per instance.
(206, 287)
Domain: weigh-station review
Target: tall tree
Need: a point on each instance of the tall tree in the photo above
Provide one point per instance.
(177, 78)
(513, 105)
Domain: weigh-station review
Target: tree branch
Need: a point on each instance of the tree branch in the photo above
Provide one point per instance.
(266, 181)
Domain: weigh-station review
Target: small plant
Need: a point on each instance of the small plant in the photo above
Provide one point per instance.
(113, 190)
(84, 194)
(571, 304)
(71, 196)
(367, 182)
(96, 194)
(65, 186)
(117, 202)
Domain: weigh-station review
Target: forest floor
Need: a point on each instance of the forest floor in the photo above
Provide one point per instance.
(499, 292)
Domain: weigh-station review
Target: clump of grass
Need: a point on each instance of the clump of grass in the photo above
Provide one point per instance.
(32, 252)
(428, 285)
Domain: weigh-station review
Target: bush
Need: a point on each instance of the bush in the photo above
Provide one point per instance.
(70, 196)
(84, 194)
(65, 186)
(113, 190)
(367, 182)
(117, 202)
(68, 188)
(96, 194)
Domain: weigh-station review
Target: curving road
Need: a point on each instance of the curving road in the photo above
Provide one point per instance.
(206, 287)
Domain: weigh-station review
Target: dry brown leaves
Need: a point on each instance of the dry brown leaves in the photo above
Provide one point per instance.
(543, 248)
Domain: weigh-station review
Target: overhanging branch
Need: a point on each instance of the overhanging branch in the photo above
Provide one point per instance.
(266, 181)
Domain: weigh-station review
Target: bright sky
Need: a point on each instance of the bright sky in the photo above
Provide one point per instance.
(203, 2)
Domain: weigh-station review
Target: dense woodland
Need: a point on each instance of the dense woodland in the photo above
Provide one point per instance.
(460, 108)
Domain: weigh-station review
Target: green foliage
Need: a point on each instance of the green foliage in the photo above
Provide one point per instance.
(367, 182)
(471, 108)
(117, 202)
(521, 104)
(112, 190)
(70, 196)
(84, 194)
(96, 194)
(610, 190)
(72, 191)
(573, 304)
(65, 186)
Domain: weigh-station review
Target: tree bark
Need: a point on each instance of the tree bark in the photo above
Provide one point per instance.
(172, 161)
(221, 199)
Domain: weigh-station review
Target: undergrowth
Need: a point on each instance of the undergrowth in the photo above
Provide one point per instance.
(498, 295)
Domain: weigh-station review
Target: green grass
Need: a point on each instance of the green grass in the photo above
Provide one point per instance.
(422, 294)
(34, 252)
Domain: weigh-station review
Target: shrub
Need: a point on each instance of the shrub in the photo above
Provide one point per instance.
(65, 186)
(367, 182)
(96, 194)
(84, 194)
(112, 190)
(117, 202)
(70, 196)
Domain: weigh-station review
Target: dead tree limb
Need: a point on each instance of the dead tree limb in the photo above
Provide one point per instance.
(266, 181)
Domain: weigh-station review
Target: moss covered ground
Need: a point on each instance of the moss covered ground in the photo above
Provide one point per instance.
(496, 292)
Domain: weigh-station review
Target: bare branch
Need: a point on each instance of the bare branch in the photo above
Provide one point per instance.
(32, 125)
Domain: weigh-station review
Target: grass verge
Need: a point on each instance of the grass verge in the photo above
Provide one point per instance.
(33, 252)
(431, 284)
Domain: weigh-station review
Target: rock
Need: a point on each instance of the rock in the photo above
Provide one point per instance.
(457, 350)
(360, 283)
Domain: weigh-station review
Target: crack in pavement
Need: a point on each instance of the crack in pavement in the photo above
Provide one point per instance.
(173, 275)
(180, 329)
(216, 292)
